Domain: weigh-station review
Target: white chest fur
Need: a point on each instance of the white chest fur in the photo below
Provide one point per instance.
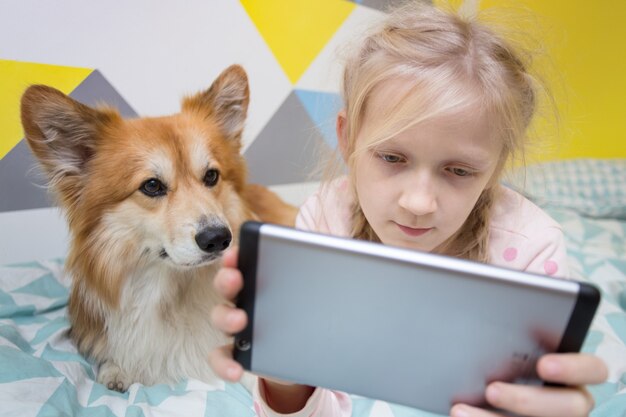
(161, 331)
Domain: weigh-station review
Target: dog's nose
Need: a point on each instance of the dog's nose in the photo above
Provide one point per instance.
(213, 239)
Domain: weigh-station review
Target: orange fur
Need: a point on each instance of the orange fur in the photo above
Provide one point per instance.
(135, 258)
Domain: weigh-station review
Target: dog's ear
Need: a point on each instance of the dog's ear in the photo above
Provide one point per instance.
(61, 132)
(226, 101)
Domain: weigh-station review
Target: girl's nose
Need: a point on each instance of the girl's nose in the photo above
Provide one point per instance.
(420, 199)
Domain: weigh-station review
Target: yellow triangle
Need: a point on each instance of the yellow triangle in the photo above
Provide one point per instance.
(15, 77)
(297, 30)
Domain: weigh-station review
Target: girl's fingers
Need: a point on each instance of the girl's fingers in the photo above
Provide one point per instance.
(228, 282)
(572, 369)
(228, 319)
(221, 361)
(229, 260)
(528, 400)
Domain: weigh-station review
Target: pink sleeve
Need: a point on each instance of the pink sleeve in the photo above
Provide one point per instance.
(305, 220)
(550, 255)
(524, 237)
(540, 252)
(328, 210)
(323, 402)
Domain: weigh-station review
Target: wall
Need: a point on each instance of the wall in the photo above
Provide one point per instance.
(143, 56)
(585, 65)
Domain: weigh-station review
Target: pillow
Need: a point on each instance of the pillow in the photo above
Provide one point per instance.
(591, 187)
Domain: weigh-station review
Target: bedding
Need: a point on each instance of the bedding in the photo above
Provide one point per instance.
(41, 373)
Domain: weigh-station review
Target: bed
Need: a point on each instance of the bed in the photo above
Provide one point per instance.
(41, 373)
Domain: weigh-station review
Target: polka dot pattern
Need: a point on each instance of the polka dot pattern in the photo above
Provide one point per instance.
(509, 254)
(550, 267)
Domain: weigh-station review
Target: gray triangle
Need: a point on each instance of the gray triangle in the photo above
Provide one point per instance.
(22, 185)
(96, 90)
(288, 148)
(383, 5)
(21, 181)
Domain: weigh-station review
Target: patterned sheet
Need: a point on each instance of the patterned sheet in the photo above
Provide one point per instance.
(41, 373)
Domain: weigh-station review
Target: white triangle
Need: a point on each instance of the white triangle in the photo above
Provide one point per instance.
(602, 239)
(381, 409)
(325, 72)
(24, 398)
(295, 193)
(611, 349)
(156, 65)
(192, 403)
(40, 303)
(12, 278)
(605, 275)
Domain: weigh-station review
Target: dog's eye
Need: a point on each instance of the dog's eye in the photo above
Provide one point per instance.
(211, 177)
(153, 188)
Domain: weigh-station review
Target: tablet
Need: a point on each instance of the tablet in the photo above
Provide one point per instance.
(409, 327)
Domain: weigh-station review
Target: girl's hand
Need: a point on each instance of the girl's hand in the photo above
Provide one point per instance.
(282, 397)
(225, 317)
(572, 369)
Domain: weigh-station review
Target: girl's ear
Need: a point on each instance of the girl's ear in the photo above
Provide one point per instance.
(342, 139)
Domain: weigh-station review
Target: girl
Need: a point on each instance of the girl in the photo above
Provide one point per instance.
(435, 105)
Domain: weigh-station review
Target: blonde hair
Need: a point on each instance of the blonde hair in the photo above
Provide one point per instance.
(453, 63)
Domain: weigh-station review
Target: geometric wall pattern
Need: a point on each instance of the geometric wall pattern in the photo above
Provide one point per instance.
(143, 56)
(21, 182)
(287, 144)
(300, 36)
(149, 54)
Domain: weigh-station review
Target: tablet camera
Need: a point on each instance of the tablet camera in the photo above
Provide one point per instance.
(242, 344)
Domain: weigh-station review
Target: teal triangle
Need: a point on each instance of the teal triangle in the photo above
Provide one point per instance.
(618, 323)
(619, 244)
(322, 108)
(361, 406)
(156, 394)
(29, 320)
(46, 286)
(64, 402)
(403, 411)
(11, 334)
(222, 403)
(17, 365)
(592, 341)
(134, 411)
(619, 264)
(5, 301)
(607, 402)
(591, 230)
(53, 326)
(621, 299)
(53, 355)
(30, 265)
(239, 392)
(12, 310)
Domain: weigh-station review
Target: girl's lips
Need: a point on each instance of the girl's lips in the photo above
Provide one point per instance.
(413, 232)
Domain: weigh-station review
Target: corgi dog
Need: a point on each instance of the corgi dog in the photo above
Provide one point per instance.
(151, 204)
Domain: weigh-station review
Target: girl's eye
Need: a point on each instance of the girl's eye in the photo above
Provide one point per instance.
(390, 158)
(211, 177)
(460, 172)
(153, 188)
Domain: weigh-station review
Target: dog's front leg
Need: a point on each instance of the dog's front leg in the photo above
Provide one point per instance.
(113, 377)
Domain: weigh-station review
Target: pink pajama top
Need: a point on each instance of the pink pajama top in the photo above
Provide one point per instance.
(521, 236)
